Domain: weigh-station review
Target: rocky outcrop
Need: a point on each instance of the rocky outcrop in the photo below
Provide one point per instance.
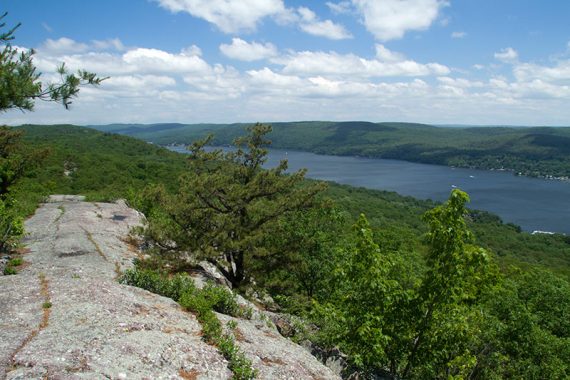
(65, 316)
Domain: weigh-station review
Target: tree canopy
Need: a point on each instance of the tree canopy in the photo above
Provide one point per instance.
(227, 203)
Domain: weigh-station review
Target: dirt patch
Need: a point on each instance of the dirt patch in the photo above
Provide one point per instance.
(188, 375)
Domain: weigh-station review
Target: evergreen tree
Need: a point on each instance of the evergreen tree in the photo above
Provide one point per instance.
(227, 204)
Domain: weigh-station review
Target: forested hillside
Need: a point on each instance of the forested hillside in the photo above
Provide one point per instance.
(493, 302)
(107, 166)
(537, 151)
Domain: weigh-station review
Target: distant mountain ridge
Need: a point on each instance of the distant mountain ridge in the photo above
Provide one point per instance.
(532, 151)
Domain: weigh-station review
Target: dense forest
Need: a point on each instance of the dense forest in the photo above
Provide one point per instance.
(393, 289)
(536, 151)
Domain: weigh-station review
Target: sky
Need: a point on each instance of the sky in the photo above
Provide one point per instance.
(483, 62)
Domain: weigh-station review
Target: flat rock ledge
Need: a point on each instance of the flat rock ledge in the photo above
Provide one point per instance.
(65, 316)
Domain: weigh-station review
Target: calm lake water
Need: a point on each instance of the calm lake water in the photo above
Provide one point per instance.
(533, 204)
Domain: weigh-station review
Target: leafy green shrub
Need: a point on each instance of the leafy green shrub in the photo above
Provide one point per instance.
(221, 299)
(239, 363)
(159, 283)
(11, 225)
(15, 262)
(9, 270)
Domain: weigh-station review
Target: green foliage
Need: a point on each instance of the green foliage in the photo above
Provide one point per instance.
(9, 270)
(47, 305)
(538, 151)
(227, 204)
(370, 297)
(11, 225)
(156, 282)
(240, 365)
(304, 246)
(16, 161)
(525, 332)
(457, 274)
(132, 164)
(17, 261)
(386, 316)
(75, 165)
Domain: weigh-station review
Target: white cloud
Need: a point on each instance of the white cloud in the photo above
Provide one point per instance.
(385, 65)
(191, 50)
(140, 81)
(386, 55)
(152, 85)
(508, 55)
(310, 23)
(230, 16)
(559, 73)
(340, 7)
(458, 34)
(133, 61)
(154, 60)
(113, 43)
(63, 45)
(266, 77)
(460, 82)
(391, 19)
(248, 51)
(235, 16)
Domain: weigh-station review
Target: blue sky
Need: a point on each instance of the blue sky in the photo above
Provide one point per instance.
(431, 61)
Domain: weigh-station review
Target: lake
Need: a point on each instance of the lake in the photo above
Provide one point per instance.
(532, 203)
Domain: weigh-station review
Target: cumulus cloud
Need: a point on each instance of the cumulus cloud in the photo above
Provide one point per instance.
(391, 19)
(558, 73)
(155, 60)
(63, 45)
(248, 51)
(386, 64)
(67, 46)
(153, 85)
(508, 55)
(133, 61)
(460, 82)
(140, 81)
(230, 16)
(267, 77)
(113, 43)
(387, 55)
(310, 23)
(236, 16)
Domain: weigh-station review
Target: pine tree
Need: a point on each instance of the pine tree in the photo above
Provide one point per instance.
(227, 203)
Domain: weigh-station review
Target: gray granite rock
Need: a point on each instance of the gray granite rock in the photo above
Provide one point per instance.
(64, 316)
(95, 327)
